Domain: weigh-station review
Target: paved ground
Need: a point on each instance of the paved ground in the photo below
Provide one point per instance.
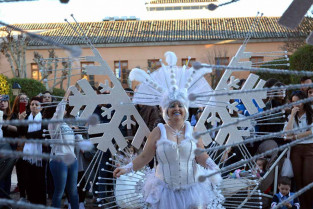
(90, 203)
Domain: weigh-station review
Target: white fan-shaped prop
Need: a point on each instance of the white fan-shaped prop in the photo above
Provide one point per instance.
(236, 185)
(128, 190)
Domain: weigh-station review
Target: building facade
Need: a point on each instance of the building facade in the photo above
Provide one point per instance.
(128, 44)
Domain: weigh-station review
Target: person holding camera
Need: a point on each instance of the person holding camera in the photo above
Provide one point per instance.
(20, 109)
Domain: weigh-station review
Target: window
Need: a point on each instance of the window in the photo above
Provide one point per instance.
(159, 8)
(257, 61)
(221, 60)
(121, 70)
(36, 75)
(185, 60)
(90, 78)
(154, 64)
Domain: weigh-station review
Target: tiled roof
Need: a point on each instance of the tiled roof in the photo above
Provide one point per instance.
(179, 1)
(119, 32)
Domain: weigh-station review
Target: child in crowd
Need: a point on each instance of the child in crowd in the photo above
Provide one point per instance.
(261, 167)
(284, 186)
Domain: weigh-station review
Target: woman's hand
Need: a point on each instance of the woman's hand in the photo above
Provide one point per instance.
(226, 155)
(291, 137)
(68, 92)
(294, 111)
(288, 137)
(118, 172)
(22, 115)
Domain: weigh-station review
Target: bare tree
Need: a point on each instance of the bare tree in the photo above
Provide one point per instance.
(293, 43)
(13, 47)
(215, 56)
(49, 67)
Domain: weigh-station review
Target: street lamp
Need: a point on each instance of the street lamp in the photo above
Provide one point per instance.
(16, 89)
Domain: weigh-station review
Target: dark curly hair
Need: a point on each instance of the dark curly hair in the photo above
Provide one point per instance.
(306, 106)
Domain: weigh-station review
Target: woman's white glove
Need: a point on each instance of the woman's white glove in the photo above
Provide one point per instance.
(129, 167)
(211, 164)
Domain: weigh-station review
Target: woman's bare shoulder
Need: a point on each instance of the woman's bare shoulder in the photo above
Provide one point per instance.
(155, 134)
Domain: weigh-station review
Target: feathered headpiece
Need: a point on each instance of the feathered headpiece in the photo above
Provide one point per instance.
(170, 83)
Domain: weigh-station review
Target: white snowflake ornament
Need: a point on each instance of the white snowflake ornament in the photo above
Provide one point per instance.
(219, 109)
(120, 104)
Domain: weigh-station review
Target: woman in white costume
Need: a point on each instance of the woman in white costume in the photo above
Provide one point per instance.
(174, 184)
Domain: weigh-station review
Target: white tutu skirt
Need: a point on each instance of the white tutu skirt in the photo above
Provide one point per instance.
(158, 195)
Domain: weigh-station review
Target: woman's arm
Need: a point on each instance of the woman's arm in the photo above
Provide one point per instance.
(35, 134)
(302, 135)
(291, 120)
(12, 128)
(204, 159)
(9, 128)
(22, 130)
(58, 115)
(201, 159)
(145, 157)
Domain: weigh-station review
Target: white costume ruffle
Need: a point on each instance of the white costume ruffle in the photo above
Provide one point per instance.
(157, 194)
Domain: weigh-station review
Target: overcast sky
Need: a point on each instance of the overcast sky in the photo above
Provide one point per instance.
(97, 10)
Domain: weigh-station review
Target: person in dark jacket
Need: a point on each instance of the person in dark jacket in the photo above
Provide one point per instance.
(276, 123)
(6, 164)
(35, 167)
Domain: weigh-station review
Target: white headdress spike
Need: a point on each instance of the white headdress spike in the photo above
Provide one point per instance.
(170, 58)
(161, 61)
(139, 75)
(143, 77)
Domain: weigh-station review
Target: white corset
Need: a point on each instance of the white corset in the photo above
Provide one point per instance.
(176, 163)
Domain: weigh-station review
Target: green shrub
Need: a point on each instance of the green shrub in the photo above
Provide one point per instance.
(29, 86)
(284, 78)
(58, 92)
(302, 59)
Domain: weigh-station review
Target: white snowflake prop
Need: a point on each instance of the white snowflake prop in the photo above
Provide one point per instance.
(120, 104)
(221, 112)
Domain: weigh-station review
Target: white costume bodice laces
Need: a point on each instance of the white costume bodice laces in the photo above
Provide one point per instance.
(176, 162)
